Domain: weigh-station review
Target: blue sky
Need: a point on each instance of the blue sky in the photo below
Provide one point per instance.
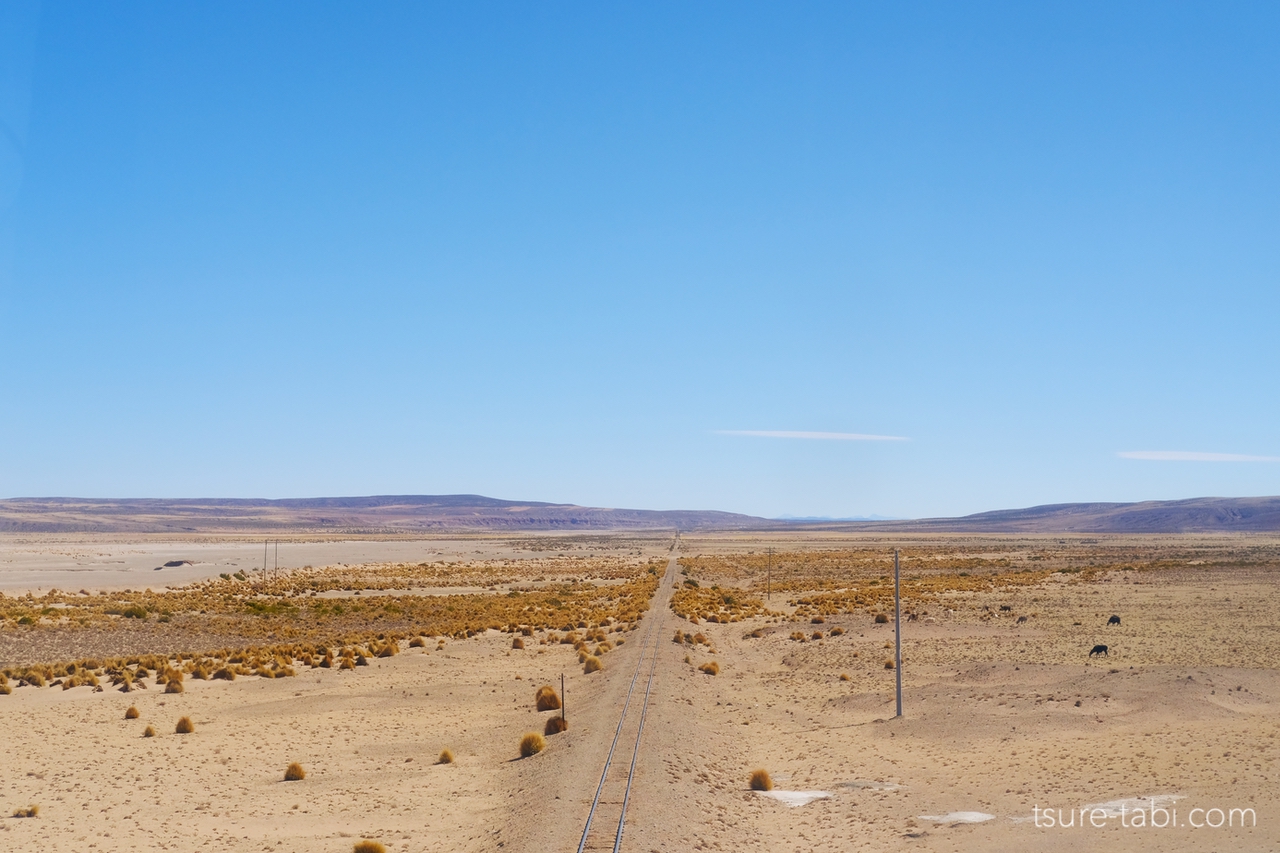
(580, 252)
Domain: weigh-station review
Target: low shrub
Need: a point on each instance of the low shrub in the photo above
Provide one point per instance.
(185, 726)
(547, 699)
(882, 618)
(294, 773)
(531, 744)
(556, 725)
(760, 780)
(131, 714)
(368, 846)
(591, 664)
(29, 811)
(710, 668)
(446, 757)
(149, 731)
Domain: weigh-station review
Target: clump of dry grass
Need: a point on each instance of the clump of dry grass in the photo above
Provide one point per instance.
(591, 664)
(446, 757)
(29, 811)
(556, 725)
(417, 643)
(882, 618)
(294, 773)
(710, 668)
(131, 714)
(224, 674)
(844, 676)
(837, 631)
(367, 846)
(755, 635)
(817, 620)
(185, 726)
(149, 731)
(517, 643)
(817, 635)
(547, 699)
(532, 744)
(888, 664)
(174, 686)
(760, 780)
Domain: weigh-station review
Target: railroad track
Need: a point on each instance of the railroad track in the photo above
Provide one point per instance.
(608, 816)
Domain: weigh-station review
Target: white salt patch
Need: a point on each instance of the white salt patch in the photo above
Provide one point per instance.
(795, 798)
(959, 817)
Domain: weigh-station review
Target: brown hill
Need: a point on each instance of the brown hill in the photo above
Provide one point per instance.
(379, 514)
(1195, 515)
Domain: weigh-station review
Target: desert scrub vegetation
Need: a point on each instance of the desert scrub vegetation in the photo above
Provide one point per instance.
(283, 625)
(131, 713)
(710, 668)
(294, 773)
(555, 725)
(591, 664)
(546, 699)
(185, 726)
(367, 846)
(531, 744)
(760, 781)
(446, 757)
(29, 811)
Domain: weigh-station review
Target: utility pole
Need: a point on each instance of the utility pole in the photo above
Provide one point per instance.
(562, 697)
(897, 628)
(768, 578)
(264, 564)
(277, 569)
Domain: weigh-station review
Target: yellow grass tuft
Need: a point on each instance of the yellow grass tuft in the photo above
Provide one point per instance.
(185, 726)
(888, 664)
(591, 664)
(294, 773)
(532, 744)
(844, 676)
(174, 686)
(446, 757)
(149, 731)
(837, 631)
(131, 714)
(710, 668)
(882, 618)
(368, 846)
(547, 699)
(556, 725)
(760, 780)
(517, 643)
(29, 811)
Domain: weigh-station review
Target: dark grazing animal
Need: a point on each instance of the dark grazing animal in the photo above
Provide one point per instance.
(1099, 650)
(1006, 608)
(1114, 620)
(1021, 619)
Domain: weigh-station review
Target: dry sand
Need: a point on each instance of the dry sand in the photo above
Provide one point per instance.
(1000, 718)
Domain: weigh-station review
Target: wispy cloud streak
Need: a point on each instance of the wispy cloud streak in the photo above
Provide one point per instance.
(1192, 456)
(813, 436)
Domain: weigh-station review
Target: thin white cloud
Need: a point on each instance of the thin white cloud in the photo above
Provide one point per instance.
(818, 436)
(1192, 456)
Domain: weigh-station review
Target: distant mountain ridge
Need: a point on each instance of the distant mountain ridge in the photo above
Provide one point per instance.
(374, 514)
(1194, 515)
(407, 514)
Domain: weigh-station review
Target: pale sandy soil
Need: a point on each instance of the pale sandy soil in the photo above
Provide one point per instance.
(39, 562)
(999, 719)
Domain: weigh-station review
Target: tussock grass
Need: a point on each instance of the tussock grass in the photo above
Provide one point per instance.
(517, 643)
(555, 725)
(546, 699)
(882, 618)
(531, 744)
(185, 726)
(131, 714)
(710, 668)
(844, 676)
(29, 811)
(294, 773)
(760, 781)
(591, 664)
(888, 664)
(367, 846)
(149, 731)
(224, 674)
(754, 635)
(174, 686)
(417, 643)
(837, 631)
(446, 757)
(817, 635)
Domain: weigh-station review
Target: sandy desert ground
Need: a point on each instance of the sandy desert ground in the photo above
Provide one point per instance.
(1002, 718)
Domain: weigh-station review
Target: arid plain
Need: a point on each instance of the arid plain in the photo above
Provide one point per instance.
(1007, 717)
